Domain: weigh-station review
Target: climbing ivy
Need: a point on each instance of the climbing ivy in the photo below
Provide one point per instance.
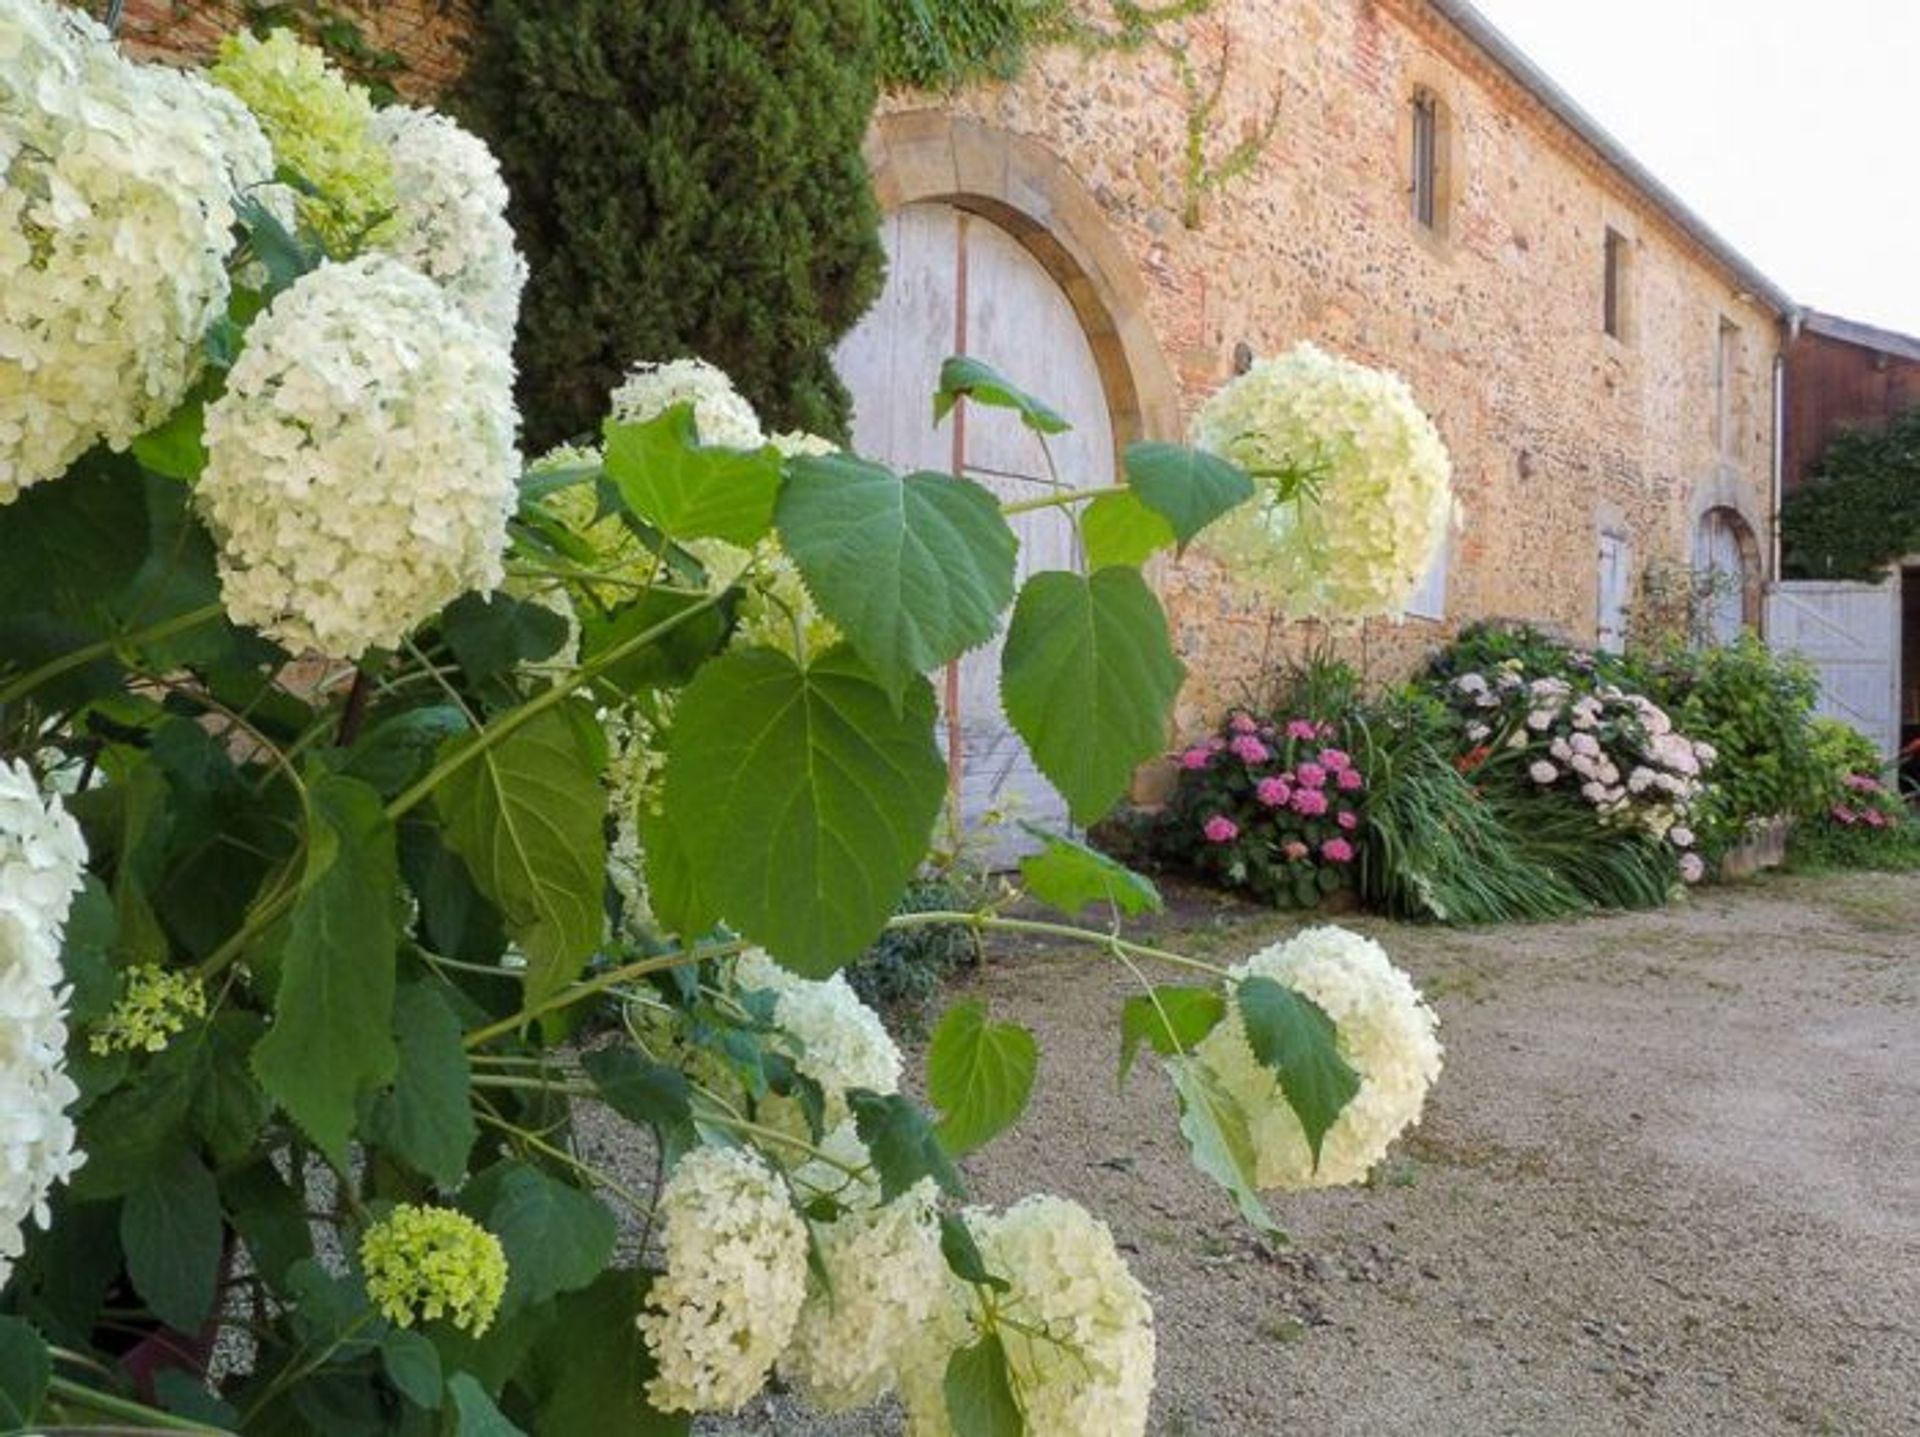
(1862, 512)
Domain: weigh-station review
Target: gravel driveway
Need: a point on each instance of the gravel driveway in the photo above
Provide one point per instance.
(1668, 1183)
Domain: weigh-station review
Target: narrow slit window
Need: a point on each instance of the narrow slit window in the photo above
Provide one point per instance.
(1726, 360)
(1613, 302)
(1426, 159)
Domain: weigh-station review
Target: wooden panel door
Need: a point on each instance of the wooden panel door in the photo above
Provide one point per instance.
(1850, 633)
(958, 284)
(1614, 572)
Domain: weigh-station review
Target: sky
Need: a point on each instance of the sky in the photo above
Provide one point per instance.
(1786, 125)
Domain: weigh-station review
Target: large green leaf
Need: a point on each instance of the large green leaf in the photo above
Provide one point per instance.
(491, 635)
(1170, 1020)
(643, 1091)
(964, 1259)
(527, 817)
(412, 1364)
(667, 661)
(332, 1035)
(1218, 1136)
(665, 477)
(1120, 529)
(979, 1075)
(902, 1143)
(1187, 487)
(979, 1389)
(964, 377)
(1088, 678)
(427, 1119)
(1070, 876)
(915, 570)
(801, 799)
(556, 1237)
(592, 1366)
(26, 1367)
(170, 1229)
(1293, 1035)
(474, 1413)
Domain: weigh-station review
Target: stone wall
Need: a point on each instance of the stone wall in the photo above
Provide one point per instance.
(429, 36)
(1556, 429)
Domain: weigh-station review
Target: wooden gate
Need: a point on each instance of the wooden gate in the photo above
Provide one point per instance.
(959, 284)
(1850, 633)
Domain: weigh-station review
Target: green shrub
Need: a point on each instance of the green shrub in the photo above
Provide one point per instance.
(942, 44)
(1756, 708)
(686, 179)
(1863, 511)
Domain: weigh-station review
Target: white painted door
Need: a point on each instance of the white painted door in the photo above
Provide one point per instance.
(1615, 566)
(958, 284)
(1717, 555)
(1850, 633)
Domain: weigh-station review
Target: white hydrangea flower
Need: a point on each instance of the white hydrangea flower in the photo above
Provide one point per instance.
(840, 1168)
(798, 444)
(116, 215)
(361, 465)
(637, 756)
(451, 220)
(1092, 1372)
(1386, 1032)
(842, 1042)
(42, 861)
(720, 414)
(885, 1279)
(736, 1276)
(1380, 500)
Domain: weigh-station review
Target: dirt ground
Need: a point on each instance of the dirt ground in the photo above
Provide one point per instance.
(1668, 1183)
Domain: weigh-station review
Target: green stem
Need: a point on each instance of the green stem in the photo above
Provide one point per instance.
(1119, 947)
(110, 1406)
(586, 988)
(105, 648)
(1062, 499)
(514, 720)
(594, 1175)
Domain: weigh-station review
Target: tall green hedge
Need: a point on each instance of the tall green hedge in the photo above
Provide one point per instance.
(686, 179)
(1863, 512)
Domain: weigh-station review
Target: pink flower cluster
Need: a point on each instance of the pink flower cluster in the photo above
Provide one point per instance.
(1281, 785)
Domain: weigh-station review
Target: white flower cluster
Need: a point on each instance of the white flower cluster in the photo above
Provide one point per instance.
(1619, 751)
(885, 1280)
(1386, 1032)
(361, 465)
(42, 861)
(1081, 1356)
(736, 1275)
(451, 218)
(720, 413)
(841, 1042)
(116, 214)
(1379, 487)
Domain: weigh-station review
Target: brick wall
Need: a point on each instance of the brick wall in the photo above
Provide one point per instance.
(1555, 428)
(429, 35)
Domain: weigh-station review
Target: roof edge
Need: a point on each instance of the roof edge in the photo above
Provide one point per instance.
(1865, 336)
(1489, 40)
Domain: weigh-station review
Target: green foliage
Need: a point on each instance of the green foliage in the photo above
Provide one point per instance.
(1294, 1037)
(963, 377)
(1170, 1019)
(1862, 511)
(810, 773)
(1219, 1138)
(1756, 708)
(689, 491)
(1087, 677)
(1186, 487)
(979, 1074)
(944, 44)
(658, 223)
(1071, 877)
(914, 570)
(26, 1367)
(979, 1391)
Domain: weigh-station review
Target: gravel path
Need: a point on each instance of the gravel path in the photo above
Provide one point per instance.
(1669, 1183)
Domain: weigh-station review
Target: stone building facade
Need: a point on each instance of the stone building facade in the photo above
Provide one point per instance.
(1573, 448)
(1581, 456)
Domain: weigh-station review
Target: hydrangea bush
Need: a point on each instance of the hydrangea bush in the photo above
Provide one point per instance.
(1270, 806)
(378, 823)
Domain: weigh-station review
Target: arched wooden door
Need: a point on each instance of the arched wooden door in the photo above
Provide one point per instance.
(959, 284)
(1722, 551)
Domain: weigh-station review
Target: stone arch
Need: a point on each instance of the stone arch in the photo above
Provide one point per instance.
(1721, 531)
(932, 156)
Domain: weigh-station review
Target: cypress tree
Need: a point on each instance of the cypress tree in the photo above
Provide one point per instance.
(686, 179)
